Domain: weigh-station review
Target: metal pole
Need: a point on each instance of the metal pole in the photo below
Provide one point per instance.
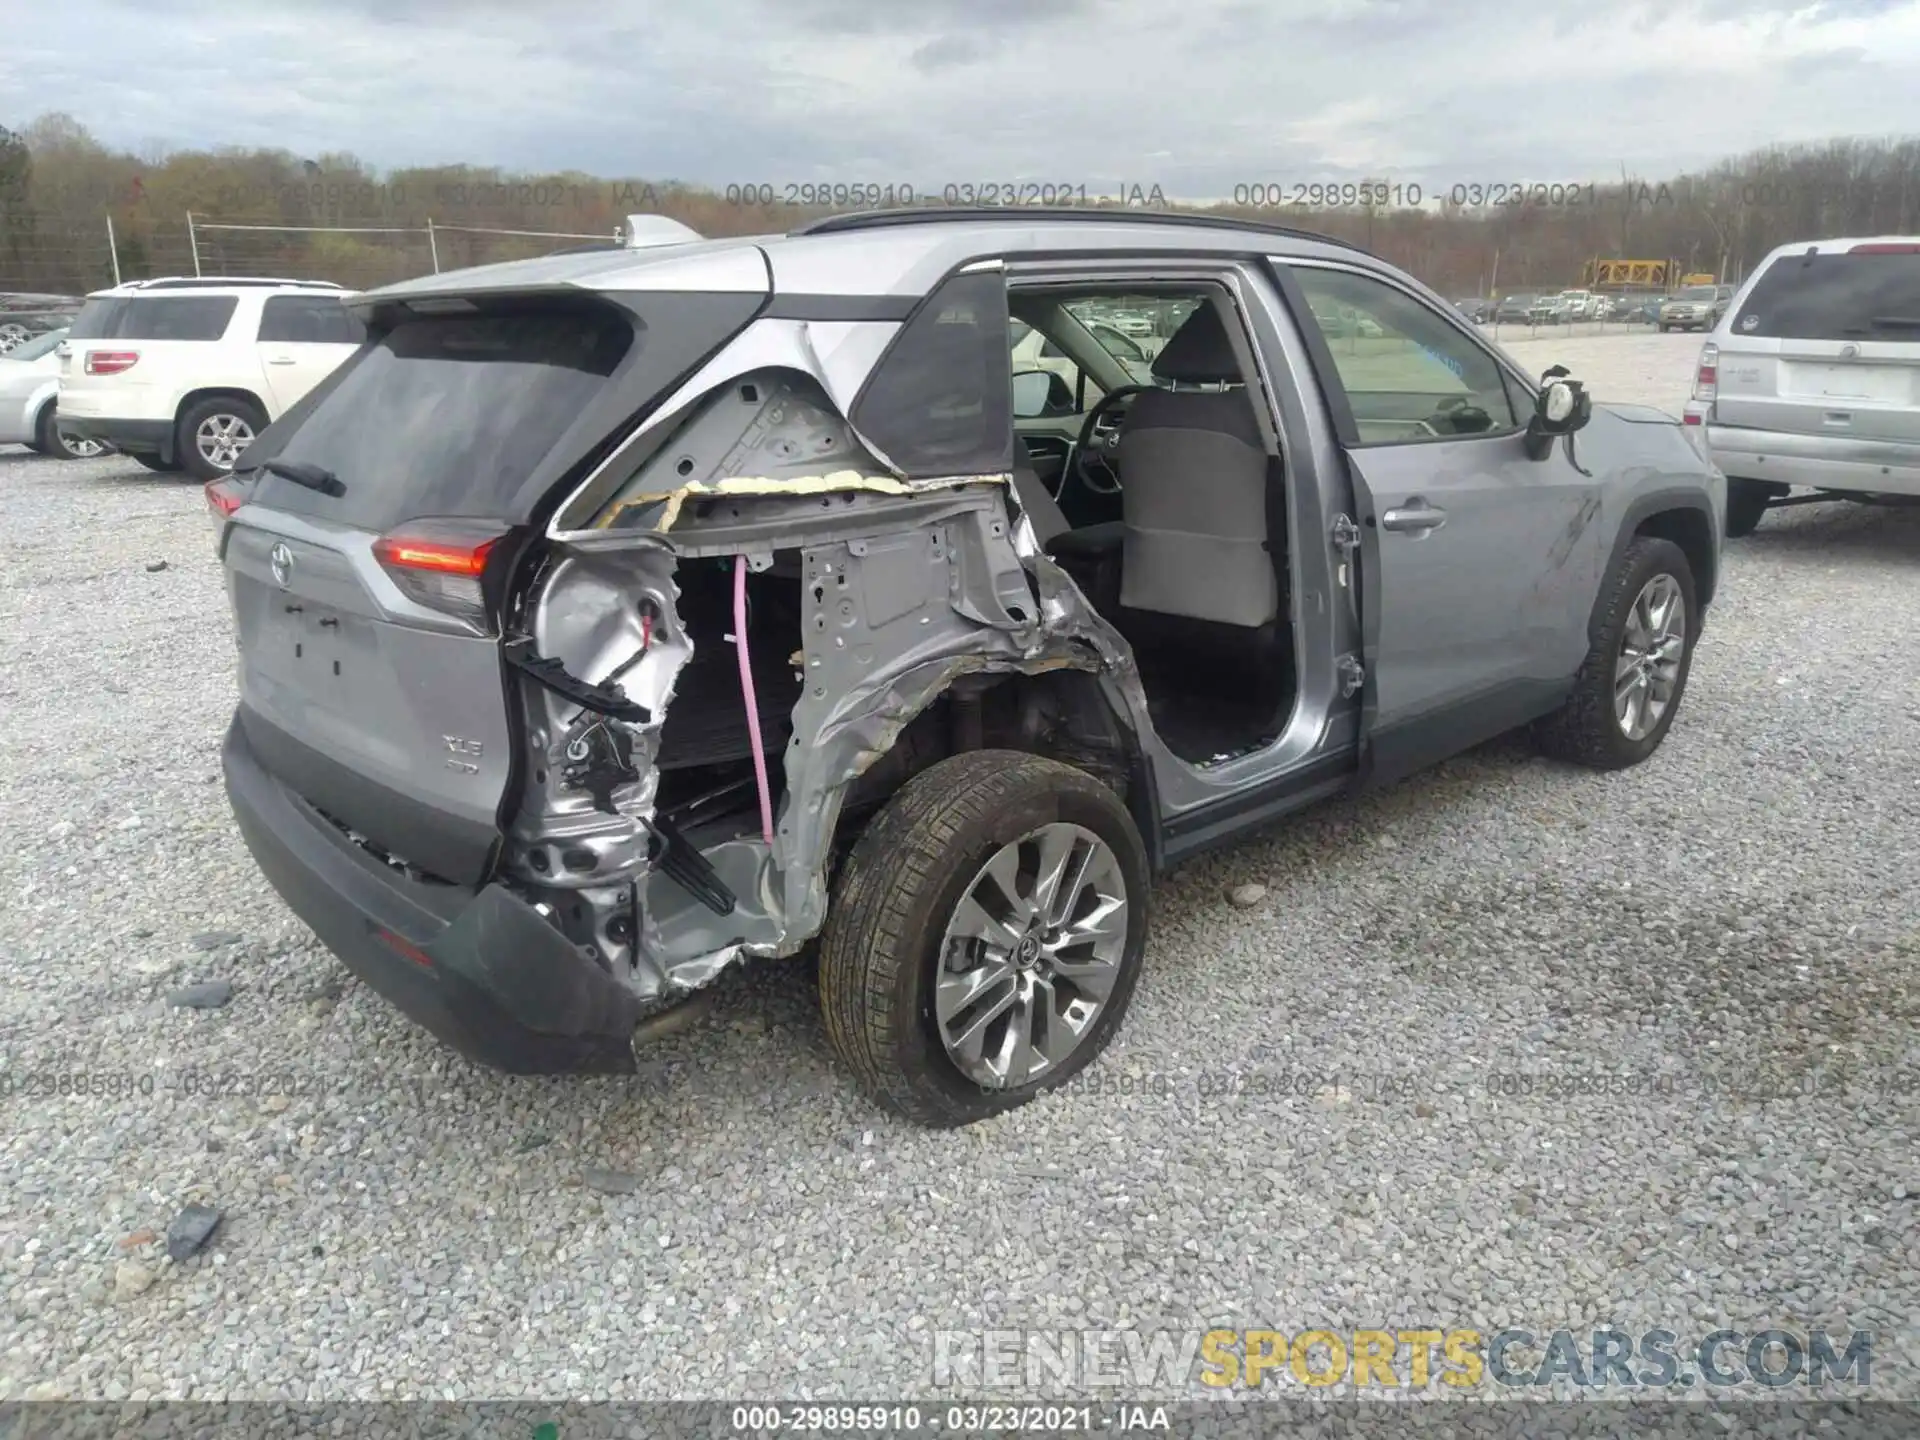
(114, 250)
(193, 243)
(433, 247)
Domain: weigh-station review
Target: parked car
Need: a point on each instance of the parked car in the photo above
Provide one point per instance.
(29, 387)
(23, 316)
(186, 373)
(1697, 307)
(1477, 310)
(1548, 310)
(573, 671)
(1579, 304)
(1812, 380)
(1515, 309)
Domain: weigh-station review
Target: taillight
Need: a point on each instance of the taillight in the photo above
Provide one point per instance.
(111, 362)
(1884, 248)
(441, 564)
(226, 496)
(1706, 380)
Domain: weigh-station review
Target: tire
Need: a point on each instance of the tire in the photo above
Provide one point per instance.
(1665, 328)
(1746, 503)
(886, 939)
(1587, 730)
(50, 442)
(209, 430)
(156, 464)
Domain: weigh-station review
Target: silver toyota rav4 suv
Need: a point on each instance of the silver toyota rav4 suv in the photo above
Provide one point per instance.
(1813, 379)
(611, 618)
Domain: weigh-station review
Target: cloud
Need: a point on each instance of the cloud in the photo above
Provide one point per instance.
(1194, 98)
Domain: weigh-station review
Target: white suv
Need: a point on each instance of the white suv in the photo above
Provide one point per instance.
(184, 373)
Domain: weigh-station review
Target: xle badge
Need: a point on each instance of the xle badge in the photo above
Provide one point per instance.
(458, 746)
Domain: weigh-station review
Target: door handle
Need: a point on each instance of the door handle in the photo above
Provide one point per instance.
(1416, 516)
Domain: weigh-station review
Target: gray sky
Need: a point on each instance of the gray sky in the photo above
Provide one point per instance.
(1197, 96)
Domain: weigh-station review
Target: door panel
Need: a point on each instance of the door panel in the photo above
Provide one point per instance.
(1481, 566)
(1478, 565)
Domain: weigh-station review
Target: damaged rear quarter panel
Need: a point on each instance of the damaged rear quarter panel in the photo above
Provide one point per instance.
(901, 595)
(906, 586)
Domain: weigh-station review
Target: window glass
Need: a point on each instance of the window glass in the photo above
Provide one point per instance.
(1409, 373)
(447, 415)
(1865, 295)
(172, 317)
(36, 347)
(309, 320)
(940, 402)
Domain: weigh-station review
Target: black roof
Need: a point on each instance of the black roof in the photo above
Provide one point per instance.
(1048, 214)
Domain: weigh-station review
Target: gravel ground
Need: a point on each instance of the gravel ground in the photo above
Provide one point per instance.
(1738, 919)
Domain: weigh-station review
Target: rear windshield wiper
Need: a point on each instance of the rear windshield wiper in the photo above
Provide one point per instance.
(314, 477)
(1895, 322)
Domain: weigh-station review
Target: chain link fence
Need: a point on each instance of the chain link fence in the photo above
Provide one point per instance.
(76, 260)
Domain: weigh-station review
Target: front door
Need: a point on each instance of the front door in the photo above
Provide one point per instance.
(1478, 565)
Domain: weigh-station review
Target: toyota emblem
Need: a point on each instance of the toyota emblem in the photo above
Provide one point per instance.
(281, 559)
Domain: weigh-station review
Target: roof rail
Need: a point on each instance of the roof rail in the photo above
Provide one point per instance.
(189, 282)
(1085, 214)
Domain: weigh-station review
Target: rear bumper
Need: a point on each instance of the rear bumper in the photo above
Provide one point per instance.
(483, 972)
(135, 437)
(1825, 462)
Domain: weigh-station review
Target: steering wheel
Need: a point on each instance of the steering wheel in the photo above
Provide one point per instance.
(1099, 448)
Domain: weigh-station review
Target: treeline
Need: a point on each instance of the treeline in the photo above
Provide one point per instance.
(72, 209)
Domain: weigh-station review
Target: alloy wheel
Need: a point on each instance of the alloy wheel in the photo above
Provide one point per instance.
(221, 439)
(1031, 956)
(1651, 650)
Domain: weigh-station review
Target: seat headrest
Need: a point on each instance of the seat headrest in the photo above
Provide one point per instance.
(1199, 352)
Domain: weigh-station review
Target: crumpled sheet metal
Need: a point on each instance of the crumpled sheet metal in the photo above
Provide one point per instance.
(836, 482)
(865, 683)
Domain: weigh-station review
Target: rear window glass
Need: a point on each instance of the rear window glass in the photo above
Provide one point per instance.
(941, 400)
(450, 414)
(1835, 297)
(94, 320)
(156, 317)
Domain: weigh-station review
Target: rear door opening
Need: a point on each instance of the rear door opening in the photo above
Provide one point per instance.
(369, 561)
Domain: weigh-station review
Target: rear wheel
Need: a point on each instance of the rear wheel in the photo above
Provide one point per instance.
(1628, 691)
(215, 432)
(49, 441)
(1746, 503)
(985, 938)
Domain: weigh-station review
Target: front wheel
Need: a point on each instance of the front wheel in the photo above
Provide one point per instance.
(216, 432)
(985, 938)
(1628, 690)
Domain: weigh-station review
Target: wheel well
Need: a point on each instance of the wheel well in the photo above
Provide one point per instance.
(1692, 531)
(224, 392)
(1061, 714)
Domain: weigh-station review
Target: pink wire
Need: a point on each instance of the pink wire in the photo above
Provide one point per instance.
(746, 690)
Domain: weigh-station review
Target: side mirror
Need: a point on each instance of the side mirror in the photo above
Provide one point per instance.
(1040, 392)
(1564, 406)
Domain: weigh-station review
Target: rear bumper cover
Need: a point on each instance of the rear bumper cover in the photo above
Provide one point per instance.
(483, 972)
(135, 437)
(1826, 462)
